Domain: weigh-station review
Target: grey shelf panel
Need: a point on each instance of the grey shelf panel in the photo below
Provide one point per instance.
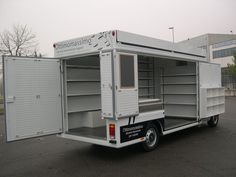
(84, 103)
(145, 95)
(215, 96)
(89, 94)
(82, 67)
(80, 80)
(144, 62)
(145, 70)
(181, 110)
(177, 75)
(186, 83)
(145, 78)
(187, 104)
(83, 88)
(215, 104)
(178, 93)
(143, 87)
(88, 110)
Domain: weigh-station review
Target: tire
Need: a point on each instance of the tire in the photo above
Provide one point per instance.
(213, 121)
(152, 138)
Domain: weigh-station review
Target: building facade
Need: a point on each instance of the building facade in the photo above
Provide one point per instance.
(220, 49)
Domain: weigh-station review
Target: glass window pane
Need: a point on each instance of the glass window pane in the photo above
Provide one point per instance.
(127, 71)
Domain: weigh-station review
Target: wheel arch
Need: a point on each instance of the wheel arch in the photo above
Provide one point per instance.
(159, 123)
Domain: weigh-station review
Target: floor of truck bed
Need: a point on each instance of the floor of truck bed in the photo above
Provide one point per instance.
(174, 122)
(97, 132)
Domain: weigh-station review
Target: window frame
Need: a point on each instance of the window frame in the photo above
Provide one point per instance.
(134, 71)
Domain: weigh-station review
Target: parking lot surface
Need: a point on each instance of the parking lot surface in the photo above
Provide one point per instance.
(199, 151)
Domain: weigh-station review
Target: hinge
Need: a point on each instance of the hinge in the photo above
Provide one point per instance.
(61, 68)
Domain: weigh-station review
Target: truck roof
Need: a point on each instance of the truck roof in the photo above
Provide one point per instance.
(116, 39)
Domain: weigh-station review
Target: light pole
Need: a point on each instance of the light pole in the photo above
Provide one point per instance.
(173, 35)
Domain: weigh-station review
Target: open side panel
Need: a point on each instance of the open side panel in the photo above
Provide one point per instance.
(32, 97)
(106, 84)
(212, 98)
(127, 85)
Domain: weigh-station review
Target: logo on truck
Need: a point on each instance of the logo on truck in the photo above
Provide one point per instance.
(74, 43)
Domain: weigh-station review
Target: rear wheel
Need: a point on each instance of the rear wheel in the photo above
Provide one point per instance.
(213, 121)
(152, 138)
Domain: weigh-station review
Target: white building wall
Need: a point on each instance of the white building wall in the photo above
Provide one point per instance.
(223, 61)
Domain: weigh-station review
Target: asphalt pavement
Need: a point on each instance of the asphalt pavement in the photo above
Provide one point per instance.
(195, 152)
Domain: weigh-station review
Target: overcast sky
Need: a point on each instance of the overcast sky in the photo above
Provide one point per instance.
(57, 20)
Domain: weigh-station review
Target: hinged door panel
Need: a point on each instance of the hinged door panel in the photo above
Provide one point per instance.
(106, 84)
(212, 97)
(32, 97)
(126, 85)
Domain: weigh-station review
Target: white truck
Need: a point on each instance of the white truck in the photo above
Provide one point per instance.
(113, 89)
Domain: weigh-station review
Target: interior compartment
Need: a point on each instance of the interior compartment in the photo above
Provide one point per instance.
(170, 85)
(164, 84)
(83, 97)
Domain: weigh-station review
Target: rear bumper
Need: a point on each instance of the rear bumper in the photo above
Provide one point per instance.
(101, 142)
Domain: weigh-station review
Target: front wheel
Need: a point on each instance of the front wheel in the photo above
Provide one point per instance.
(152, 138)
(213, 121)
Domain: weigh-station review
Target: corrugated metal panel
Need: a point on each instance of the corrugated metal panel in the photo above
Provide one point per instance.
(106, 84)
(33, 97)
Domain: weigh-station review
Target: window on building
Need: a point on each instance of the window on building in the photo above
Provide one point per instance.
(127, 71)
(224, 52)
(225, 43)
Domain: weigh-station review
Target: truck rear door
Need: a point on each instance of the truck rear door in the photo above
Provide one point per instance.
(32, 95)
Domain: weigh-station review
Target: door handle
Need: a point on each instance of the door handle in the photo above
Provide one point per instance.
(10, 99)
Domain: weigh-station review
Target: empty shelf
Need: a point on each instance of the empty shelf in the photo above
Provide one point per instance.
(80, 80)
(170, 123)
(87, 94)
(178, 93)
(176, 75)
(183, 83)
(145, 78)
(83, 67)
(87, 110)
(188, 104)
(96, 132)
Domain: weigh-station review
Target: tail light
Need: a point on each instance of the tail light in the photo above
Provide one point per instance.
(112, 129)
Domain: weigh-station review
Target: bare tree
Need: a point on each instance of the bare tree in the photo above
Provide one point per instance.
(20, 41)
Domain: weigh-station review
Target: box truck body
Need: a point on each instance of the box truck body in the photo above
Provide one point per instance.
(113, 88)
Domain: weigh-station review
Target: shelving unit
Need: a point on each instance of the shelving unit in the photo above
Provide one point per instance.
(83, 92)
(179, 90)
(146, 78)
(215, 101)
